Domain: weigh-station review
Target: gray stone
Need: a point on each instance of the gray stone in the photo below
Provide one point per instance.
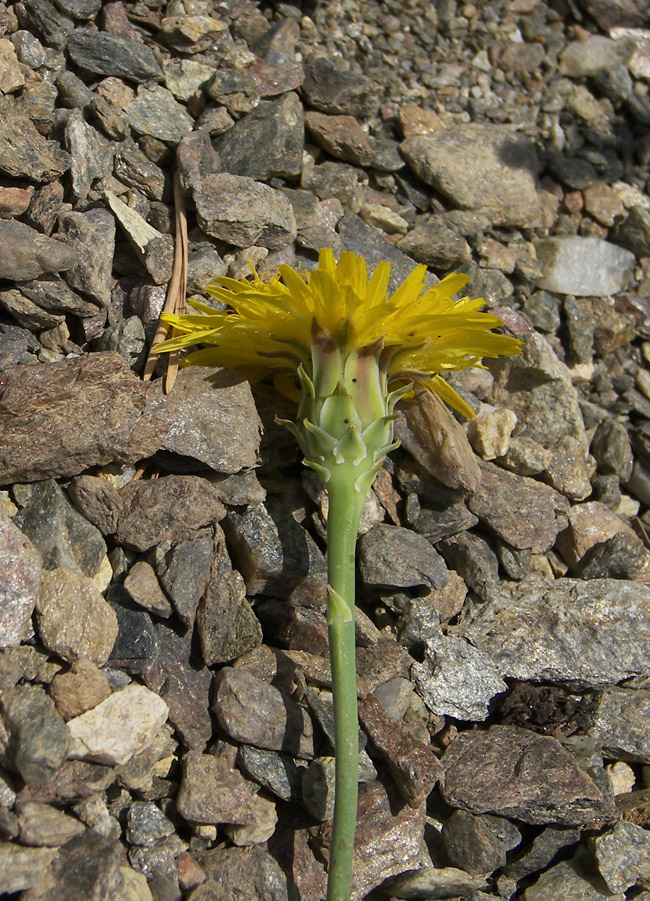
(341, 136)
(481, 167)
(136, 647)
(571, 880)
(184, 77)
(329, 88)
(133, 168)
(105, 54)
(583, 266)
(127, 338)
(43, 17)
(63, 537)
(255, 712)
(275, 554)
(267, 142)
(541, 852)
(236, 89)
(85, 233)
(39, 739)
(20, 578)
(515, 773)
(620, 724)
(166, 509)
(210, 416)
(278, 773)
(478, 844)
(457, 679)
(251, 872)
(91, 155)
(87, 866)
(29, 49)
(44, 826)
(474, 560)
(27, 313)
(211, 792)
(394, 557)
(634, 233)
(226, 624)
(52, 294)
(24, 153)
(437, 882)
(184, 569)
(147, 824)
(119, 728)
(155, 112)
(73, 619)
(435, 244)
(318, 788)
(579, 634)
(623, 556)
(144, 588)
(26, 254)
(587, 58)
(241, 211)
(623, 856)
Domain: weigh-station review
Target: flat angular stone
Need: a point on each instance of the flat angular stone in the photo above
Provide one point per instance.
(91, 236)
(515, 773)
(278, 773)
(251, 872)
(87, 866)
(241, 211)
(50, 293)
(118, 728)
(147, 824)
(73, 619)
(20, 578)
(583, 266)
(91, 156)
(255, 712)
(58, 419)
(329, 88)
(155, 112)
(184, 569)
(210, 416)
(23, 868)
(478, 844)
(170, 508)
(438, 882)
(44, 826)
(98, 501)
(488, 168)
(623, 856)
(394, 557)
(620, 724)
(457, 679)
(24, 152)
(580, 634)
(341, 136)
(26, 254)
(145, 590)
(105, 54)
(39, 737)
(571, 880)
(211, 792)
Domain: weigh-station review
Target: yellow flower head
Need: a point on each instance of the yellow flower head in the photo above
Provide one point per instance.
(417, 331)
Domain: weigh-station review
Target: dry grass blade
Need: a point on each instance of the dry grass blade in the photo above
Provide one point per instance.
(176, 291)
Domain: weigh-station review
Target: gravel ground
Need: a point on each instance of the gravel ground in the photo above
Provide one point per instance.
(165, 702)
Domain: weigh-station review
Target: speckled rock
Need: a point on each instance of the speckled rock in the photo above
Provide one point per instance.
(39, 738)
(20, 576)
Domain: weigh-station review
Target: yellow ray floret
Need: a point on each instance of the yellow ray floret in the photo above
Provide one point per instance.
(269, 326)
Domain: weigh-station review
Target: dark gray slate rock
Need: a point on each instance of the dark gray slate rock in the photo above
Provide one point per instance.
(572, 880)
(24, 152)
(457, 679)
(278, 773)
(274, 554)
(20, 577)
(154, 112)
(515, 773)
(579, 634)
(52, 294)
(621, 724)
(91, 236)
(255, 712)
(38, 737)
(147, 824)
(210, 416)
(91, 155)
(17, 345)
(488, 168)
(64, 538)
(184, 569)
(267, 142)
(135, 649)
(26, 254)
(478, 844)
(542, 851)
(394, 557)
(58, 419)
(166, 509)
(241, 211)
(105, 54)
(43, 17)
(473, 559)
(329, 88)
(135, 169)
(226, 624)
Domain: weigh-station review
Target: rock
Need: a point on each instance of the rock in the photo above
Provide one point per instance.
(393, 557)
(192, 34)
(44, 826)
(98, 500)
(62, 536)
(542, 851)
(23, 868)
(341, 136)
(91, 155)
(504, 500)
(212, 792)
(457, 679)
(144, 588)
(184, 569)
(226, 624)
(24, 153)
(135, 169)
(127, 338)
(435, 244)
(87, 866)
(147, 824)
(39, 739)
(80, 689)
(318, 788)
(26, 254)
(105, 54)
(474, 560)
(135, 649)
(74, 781)
(604, 204)
(155, 112)
(210, 416)
(583, 266)
(413, 765)
(184, 77)
(237, 90)
(478, 844)
(51, 293)
(619, 723)
(250, 871)
(490, 432)
(254, 712)
(85, 233)
(278, 773)
(587, 58)
(274, 554)
(261, 830)
(515, 773)
(591, 527)
(569, 880)
(20, 578)
(154, 250)
(11, 76)
(120, 727)
(437, 882)
(166, 509)
(27, 313)
(267, 142)
(241, 211)
(13, 202)
(568, 632)
(73, 619)
(623, 856)
(330, 89)
(479, 167)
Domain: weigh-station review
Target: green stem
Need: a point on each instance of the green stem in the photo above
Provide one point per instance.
(345, 507)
